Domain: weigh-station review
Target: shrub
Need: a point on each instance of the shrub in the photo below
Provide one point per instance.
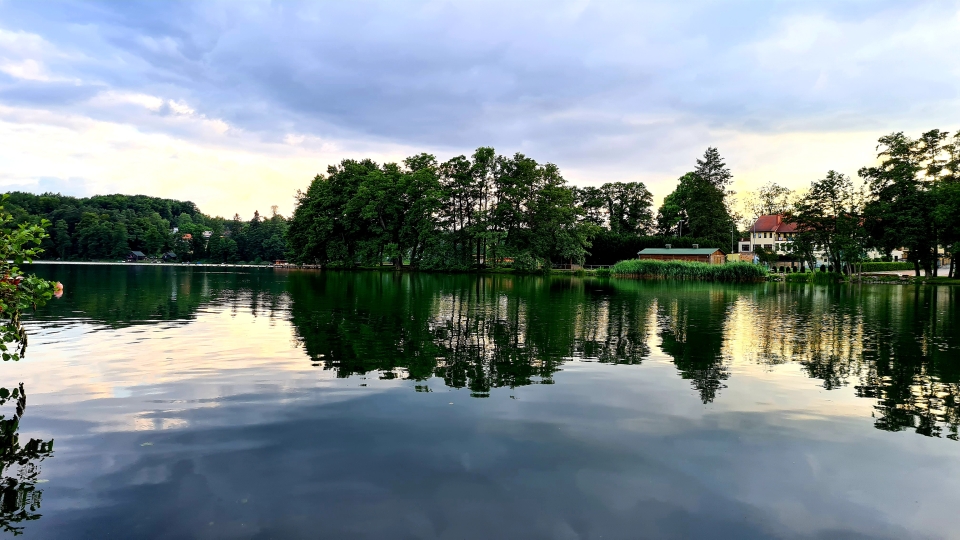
(525, 262)
(886, 266)
(798, 278)
(602, 272)
(730, 272)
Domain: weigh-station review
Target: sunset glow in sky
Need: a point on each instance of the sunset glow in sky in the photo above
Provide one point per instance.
(236, 105)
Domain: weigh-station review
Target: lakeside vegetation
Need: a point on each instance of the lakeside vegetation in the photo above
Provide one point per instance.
(490, 211)
(735, 272)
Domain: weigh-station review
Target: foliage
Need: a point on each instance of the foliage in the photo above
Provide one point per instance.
(913, 190)
(698, 206)
(525, 262)
(18, 291)
(623, 208)
(829, 217)
(730, 272)
(765, 256)
(100, 227)
(608, 248)
(885, 266)
(19, 464)
(111, 226)
(466, 212)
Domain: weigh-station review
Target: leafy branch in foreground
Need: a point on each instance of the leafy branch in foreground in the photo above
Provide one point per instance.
(19, 291)
(19, 463)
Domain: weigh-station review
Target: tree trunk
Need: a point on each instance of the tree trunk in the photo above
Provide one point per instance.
(916, 267)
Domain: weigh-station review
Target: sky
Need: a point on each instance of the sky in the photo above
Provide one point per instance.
(236, 105)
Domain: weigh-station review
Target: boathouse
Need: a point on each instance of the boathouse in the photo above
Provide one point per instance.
(694, 254)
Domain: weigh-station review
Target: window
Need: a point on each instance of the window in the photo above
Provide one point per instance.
(745, 247)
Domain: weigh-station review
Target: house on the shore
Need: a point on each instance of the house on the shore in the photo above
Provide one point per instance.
(694, 254)
(770, 232)
(169, 256)
(773, 233)
(136, 256)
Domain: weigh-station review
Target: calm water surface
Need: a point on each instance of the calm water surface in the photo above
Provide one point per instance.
(199, 403)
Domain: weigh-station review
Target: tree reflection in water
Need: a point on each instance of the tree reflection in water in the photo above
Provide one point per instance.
(897, 345)
(476, 333)
(19, 466)
(692, 332)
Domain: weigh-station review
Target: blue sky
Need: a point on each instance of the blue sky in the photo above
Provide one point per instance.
(235, 105)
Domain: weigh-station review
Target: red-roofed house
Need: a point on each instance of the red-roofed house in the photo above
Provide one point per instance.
(770, 232)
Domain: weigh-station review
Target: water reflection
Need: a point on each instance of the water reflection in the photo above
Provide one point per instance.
(895, 345)
(19, 466)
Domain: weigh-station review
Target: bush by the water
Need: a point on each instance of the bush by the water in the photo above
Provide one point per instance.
(730, 272)
(886, 266)
(602, 272)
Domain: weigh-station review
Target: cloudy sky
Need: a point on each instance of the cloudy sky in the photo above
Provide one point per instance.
(235, 105)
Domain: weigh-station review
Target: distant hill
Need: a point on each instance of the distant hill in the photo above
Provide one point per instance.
(110, 226)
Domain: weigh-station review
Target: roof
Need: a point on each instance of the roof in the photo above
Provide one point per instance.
(137, 253)
(767, 223)
(679, 251)
(787, 227)
(773, 223)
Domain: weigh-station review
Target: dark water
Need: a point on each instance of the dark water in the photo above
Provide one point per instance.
(197, 403)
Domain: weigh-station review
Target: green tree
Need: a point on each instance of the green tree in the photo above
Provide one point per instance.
(830, 217)
(697, 207)
(900, 213)
(62, 238)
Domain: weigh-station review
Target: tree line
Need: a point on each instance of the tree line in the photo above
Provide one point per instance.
(487, 210)
(909, 199)
(111, 226)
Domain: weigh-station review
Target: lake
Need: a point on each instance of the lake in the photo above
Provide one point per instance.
(204, 403)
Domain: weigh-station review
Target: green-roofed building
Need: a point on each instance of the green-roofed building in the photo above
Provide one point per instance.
(694, 254)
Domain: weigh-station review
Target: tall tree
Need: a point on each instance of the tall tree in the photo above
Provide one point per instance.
(712, 169)
(900, 213)
(696, 208)
(830, 218)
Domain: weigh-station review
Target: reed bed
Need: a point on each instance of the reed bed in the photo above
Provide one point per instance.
(735, 272)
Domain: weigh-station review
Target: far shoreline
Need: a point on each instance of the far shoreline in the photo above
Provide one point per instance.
(870, 278)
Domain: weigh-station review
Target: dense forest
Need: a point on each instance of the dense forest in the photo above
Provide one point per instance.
(111, 226)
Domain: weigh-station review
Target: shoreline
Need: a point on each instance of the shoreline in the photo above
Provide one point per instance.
(875, 279)
(182, 265)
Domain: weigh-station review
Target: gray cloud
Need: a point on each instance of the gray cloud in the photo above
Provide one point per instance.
(578, 82)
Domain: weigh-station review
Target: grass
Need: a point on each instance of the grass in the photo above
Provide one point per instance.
(737, 272)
